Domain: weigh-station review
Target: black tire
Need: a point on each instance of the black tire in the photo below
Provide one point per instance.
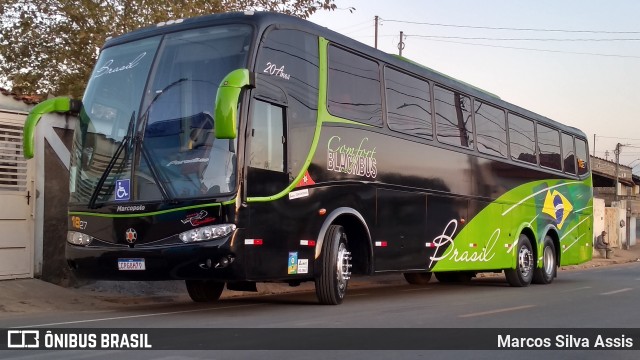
(335, 268)
(417, 278)
(548, 271)
(204, 290)
(522, 275)
(448, 277)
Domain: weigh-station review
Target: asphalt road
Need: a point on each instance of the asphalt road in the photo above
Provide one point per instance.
(593, 298)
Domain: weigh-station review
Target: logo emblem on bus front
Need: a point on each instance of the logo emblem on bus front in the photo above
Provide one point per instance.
(131, 235)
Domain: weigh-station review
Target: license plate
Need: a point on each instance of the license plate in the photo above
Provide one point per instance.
(131, 264)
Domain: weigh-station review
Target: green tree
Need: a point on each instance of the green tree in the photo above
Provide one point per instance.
(50, 46)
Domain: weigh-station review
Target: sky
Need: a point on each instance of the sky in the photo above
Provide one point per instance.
(586, 75)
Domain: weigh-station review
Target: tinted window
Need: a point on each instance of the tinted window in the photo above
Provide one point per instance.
(568, 154)
(522, 139)
(289, 59)
(111, 100)
(453, 118)
(267, 147)
(491, 129)
(549, 145)
(179, 102)
(354, 87)
(408, 104)
(582, 153)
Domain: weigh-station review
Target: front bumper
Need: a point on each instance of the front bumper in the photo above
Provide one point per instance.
(168, 262)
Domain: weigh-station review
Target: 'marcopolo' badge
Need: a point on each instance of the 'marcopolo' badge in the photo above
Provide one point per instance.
(131, 235)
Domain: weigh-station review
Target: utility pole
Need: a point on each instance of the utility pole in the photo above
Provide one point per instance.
(617, 153)
(376, 31)
(594, 140)
(401, 43)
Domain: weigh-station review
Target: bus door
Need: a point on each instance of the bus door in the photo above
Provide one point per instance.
(267, 175)
(282, 124)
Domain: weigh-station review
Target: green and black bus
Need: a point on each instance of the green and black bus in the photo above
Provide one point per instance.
(239, 148)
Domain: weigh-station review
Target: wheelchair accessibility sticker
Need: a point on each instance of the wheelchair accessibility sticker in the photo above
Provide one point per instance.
(122, 189)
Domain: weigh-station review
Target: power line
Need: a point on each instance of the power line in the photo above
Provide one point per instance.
(513, 29)
(531, 49)
(615, 137)
(353, 26)
(517, 39)
(356, 30)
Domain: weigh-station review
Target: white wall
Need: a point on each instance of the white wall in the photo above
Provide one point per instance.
(45, 130)
(10, 104)
(622, 230)
(598, 217)
(616, 234)
(632, 231)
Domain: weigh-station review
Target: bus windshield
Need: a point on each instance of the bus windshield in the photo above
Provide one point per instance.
(146, 129)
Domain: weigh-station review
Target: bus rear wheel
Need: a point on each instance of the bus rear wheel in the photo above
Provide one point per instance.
(331, 283)
(204, 290)
(417, 278)
(547, 272)
(522, 275)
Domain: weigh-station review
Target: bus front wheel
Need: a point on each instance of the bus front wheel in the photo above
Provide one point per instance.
(523, 273)
(204, 290)
(331, 283)
(547, 272)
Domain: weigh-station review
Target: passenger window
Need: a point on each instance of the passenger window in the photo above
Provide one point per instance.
(354, 87)
(582, 154)
(453, 118)
(549, 145)
(568, 154)
(522, 139)
(408, 104)
(491, 129)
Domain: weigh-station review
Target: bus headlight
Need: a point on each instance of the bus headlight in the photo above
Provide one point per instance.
(78, 238)
(207, 233)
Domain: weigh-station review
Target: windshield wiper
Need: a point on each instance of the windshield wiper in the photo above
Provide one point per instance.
(144, 117)
(125, 141)
(164, 191)
(158, 94)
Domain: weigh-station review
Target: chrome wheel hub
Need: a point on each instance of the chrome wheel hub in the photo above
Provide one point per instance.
(525, 261)
(548, 261)
(343, 270)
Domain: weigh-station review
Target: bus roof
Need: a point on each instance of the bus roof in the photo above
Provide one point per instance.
(262, 20)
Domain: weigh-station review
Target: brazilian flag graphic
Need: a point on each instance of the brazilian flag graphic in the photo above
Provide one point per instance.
(557, 206)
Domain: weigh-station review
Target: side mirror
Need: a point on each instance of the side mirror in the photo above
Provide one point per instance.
(226, 112)
(59, 105)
